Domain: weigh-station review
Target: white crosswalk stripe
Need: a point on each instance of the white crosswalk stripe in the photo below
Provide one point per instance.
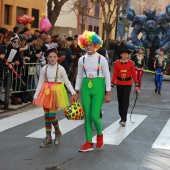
(20, 118)
(115, 133)
(163, 140)
(65, 127)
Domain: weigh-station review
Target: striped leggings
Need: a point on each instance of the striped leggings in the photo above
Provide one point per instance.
(50, 119)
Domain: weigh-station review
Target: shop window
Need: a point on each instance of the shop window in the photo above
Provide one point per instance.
(96, 29)
(96, 13)
(7, 14)
(90, 27)
(20, 12)
(35, 13)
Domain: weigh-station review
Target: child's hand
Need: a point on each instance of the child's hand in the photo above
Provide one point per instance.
(10, 66)
(74, 97)
(33, 102)
(17, 63)
(2, 56)
(137, 89)
(27, 58)
(26, 47)
(107, 98)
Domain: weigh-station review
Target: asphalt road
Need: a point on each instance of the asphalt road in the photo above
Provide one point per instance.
(142, 145)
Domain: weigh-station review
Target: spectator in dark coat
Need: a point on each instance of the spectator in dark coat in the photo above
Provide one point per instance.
(69, 57)
(30, 53)
(76, 50)
(3, 35)
(102, 51)
(3, 67)
(13, 56)
(13, 51)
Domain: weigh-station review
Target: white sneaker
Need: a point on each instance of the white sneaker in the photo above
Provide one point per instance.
(122, 123)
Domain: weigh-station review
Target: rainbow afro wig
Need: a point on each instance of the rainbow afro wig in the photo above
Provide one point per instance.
(88, 37)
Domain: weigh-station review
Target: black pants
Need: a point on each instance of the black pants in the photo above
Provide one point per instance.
(123, 95)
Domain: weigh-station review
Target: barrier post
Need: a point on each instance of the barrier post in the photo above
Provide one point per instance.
(7, 90)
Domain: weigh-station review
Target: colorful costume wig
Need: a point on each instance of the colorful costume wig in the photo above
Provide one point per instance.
(87, 37)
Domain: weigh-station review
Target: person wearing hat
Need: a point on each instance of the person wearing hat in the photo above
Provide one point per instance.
(30, 54)
(13, 51)
(13, 56)
(139, 64)
(26, 31)
(124, 71)
(160, 63)
(3, 69)
(23, 46)
(92, 79)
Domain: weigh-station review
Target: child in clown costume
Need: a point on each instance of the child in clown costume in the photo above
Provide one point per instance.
(92, 79)
(51, 95)
(139, 65)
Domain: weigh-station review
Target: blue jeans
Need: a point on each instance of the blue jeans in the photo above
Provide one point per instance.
(158, 79)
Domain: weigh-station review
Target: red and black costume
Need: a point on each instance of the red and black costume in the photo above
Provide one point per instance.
(122, 78)
(139, 65)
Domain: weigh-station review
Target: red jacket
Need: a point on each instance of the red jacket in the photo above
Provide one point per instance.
(123, 73)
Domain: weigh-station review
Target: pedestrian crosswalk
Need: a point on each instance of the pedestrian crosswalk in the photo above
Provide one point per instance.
(163, 140)
(114, 134)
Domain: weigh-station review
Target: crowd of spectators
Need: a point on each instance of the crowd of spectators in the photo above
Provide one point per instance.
(20, 46)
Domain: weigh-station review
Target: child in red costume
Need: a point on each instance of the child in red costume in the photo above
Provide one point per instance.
(124, 71)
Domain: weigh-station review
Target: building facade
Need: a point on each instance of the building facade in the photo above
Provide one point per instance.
(71, 22)
(67, 20)
(11, 9)
(92, 19)
(140, 5)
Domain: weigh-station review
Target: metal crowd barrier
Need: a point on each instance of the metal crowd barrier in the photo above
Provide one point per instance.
(29, 73)
(112, 57)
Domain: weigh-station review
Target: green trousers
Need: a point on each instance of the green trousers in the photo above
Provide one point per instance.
(92, 101)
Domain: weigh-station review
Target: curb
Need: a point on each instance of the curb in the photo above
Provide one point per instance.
(14, 109)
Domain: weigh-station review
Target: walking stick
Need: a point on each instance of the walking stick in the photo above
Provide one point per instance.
(133, 106)
(17, 75)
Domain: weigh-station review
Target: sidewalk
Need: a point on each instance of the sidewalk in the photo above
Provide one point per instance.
(12, 108)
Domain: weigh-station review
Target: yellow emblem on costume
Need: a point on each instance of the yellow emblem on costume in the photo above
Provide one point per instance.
(47, 91)
(90, 85)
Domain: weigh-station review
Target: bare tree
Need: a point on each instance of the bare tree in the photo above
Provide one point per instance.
(111, 11)
(82, 9)
(53, 11)
(159, 6)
